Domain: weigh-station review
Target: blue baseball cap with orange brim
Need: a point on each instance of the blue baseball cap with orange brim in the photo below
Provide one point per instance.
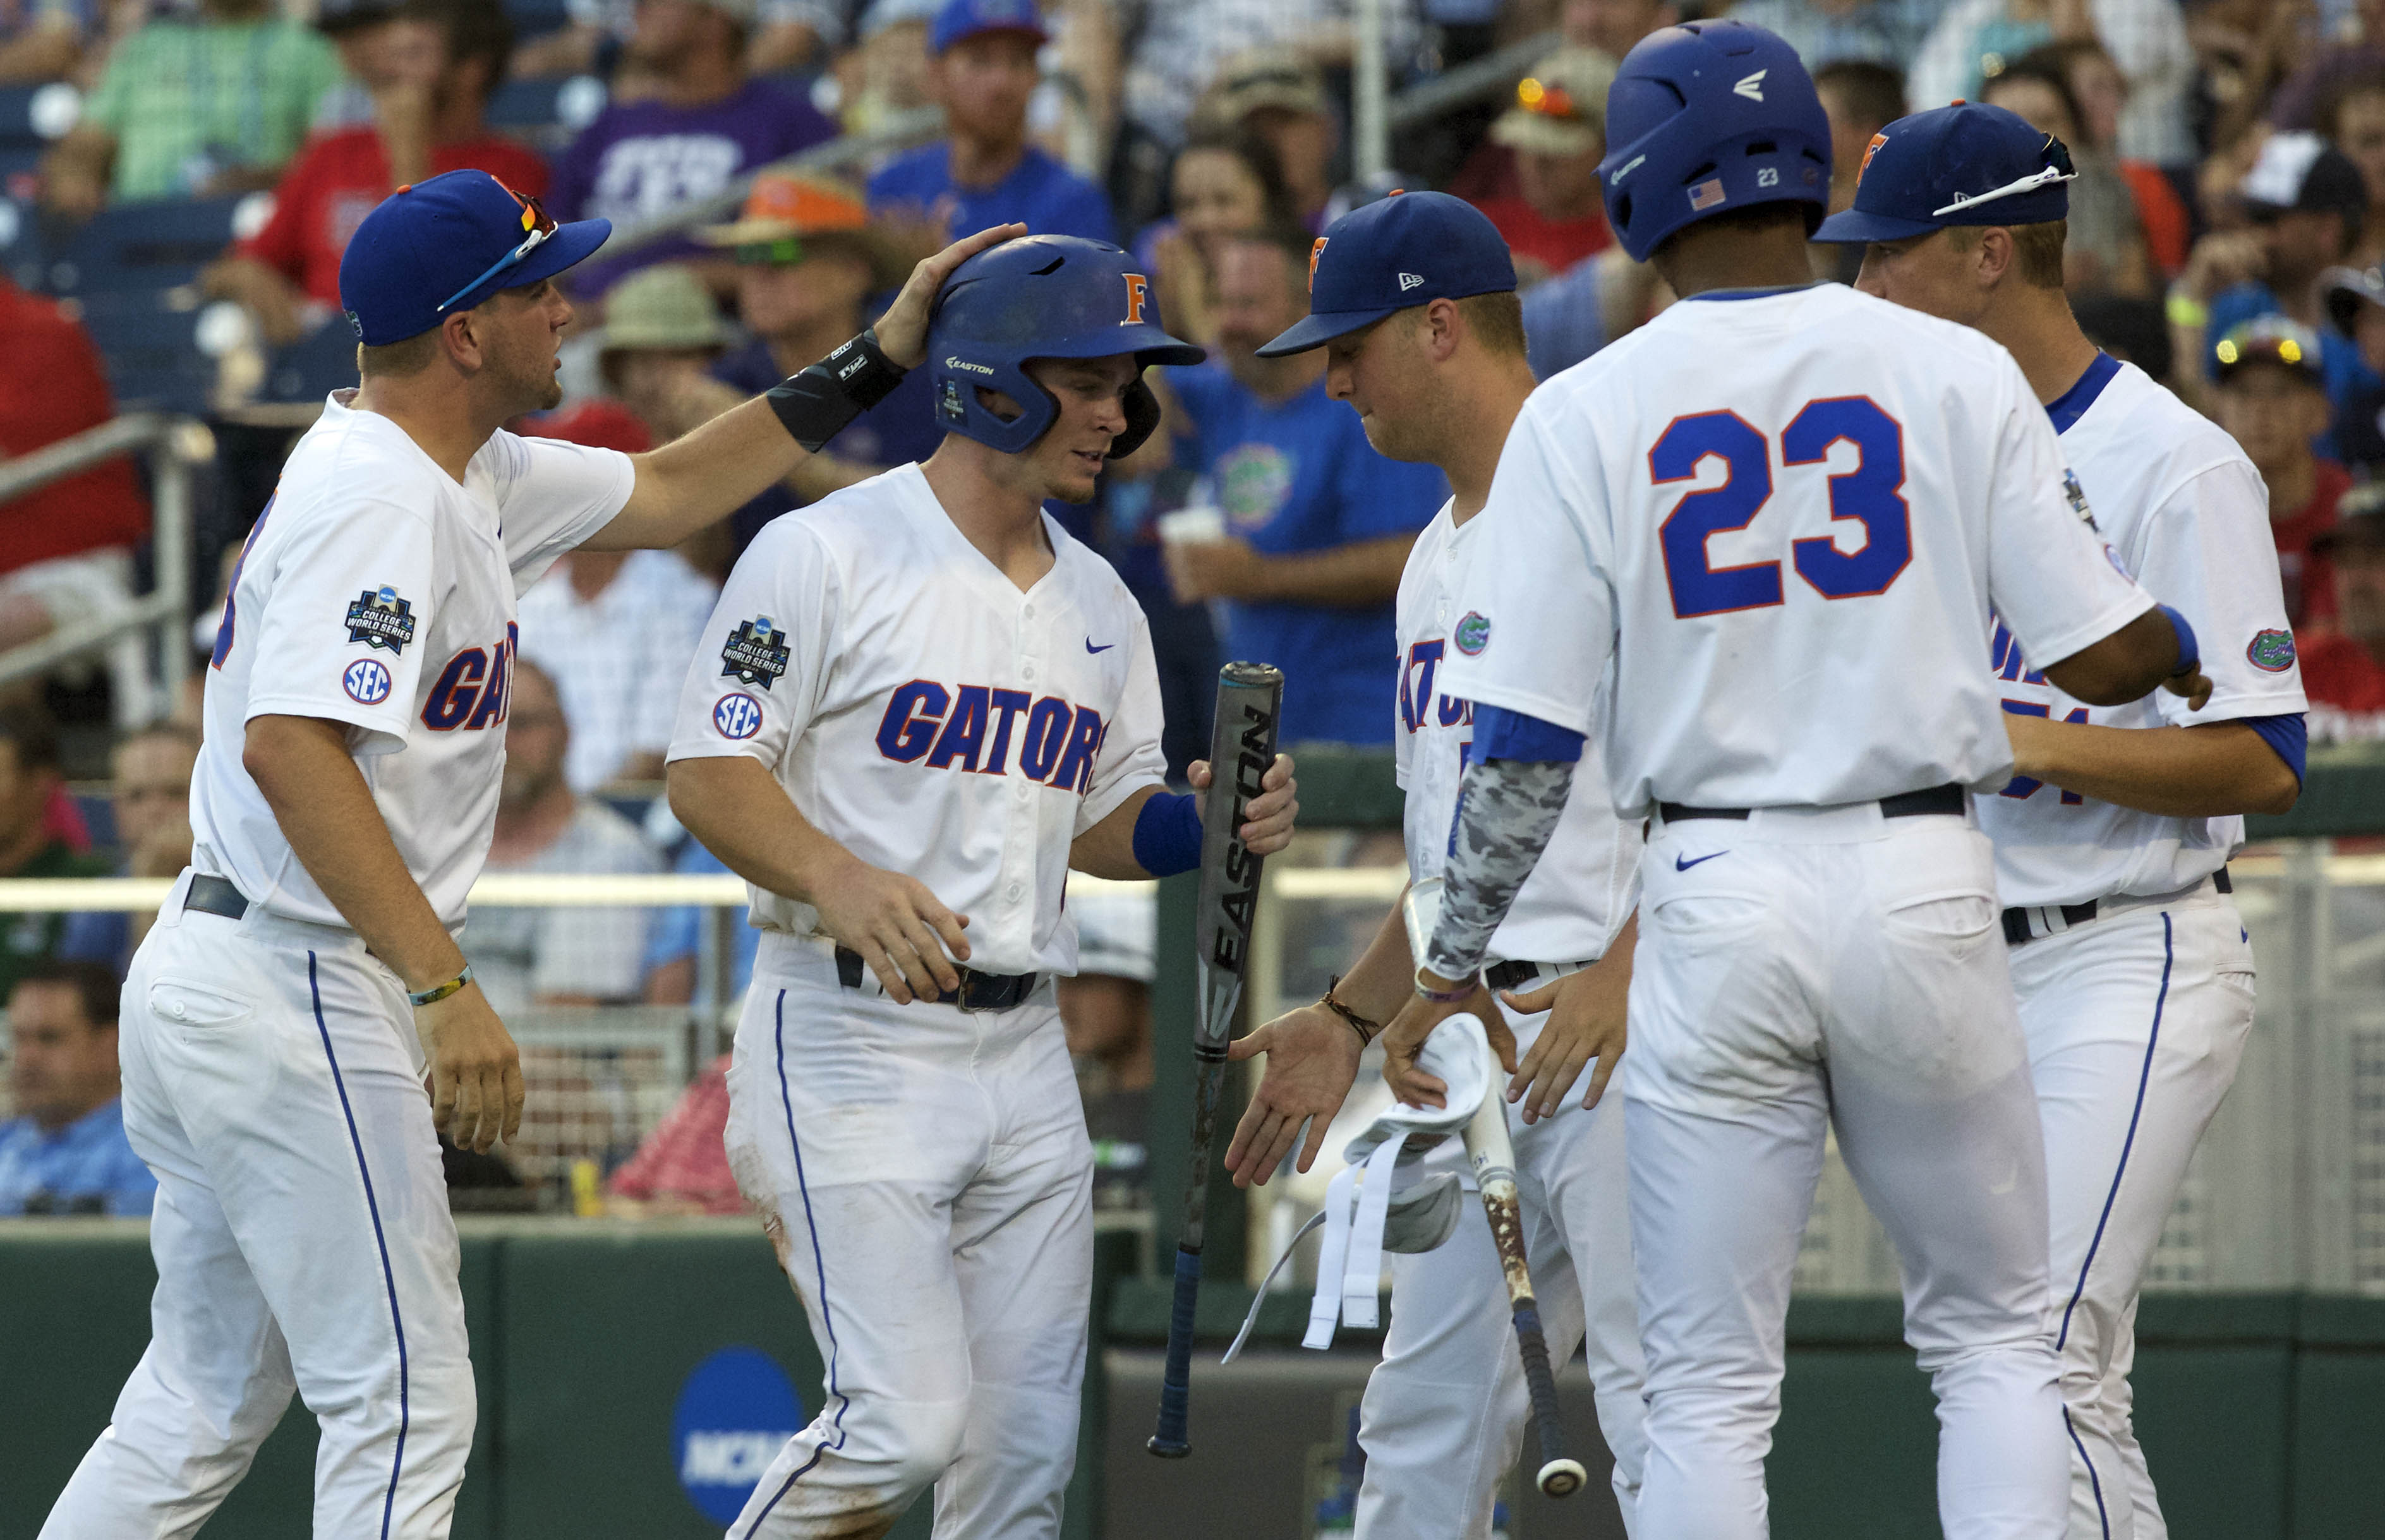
(1393, 254)
(1967, 164)
(436, 247)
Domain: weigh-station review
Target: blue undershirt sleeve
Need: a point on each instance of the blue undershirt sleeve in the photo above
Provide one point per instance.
(2290, 736)
(1503, 734)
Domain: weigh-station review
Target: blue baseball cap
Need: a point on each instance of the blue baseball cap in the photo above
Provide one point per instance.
(967, 18)
(1396, 253)
(436, 247)
(1967, 164)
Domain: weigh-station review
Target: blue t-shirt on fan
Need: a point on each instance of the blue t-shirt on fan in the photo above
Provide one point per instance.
(1295, 477)
(1043, 194)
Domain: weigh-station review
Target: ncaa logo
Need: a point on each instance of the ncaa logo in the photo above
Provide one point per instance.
(366, 682)
(738, 715)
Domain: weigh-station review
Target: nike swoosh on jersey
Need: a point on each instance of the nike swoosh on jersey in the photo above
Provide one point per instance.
(1103, 648)
(1682, 865)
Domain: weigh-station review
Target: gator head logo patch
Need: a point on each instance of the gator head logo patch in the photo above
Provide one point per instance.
(1473, 634)
(380, 619)
(2271, 651)
(755, 653)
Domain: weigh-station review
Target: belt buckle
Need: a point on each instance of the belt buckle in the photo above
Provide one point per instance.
(965, 997)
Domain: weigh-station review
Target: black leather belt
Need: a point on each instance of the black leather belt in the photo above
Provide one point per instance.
(977, 991)
(1905, 804)
(1515, 975)
(2016, 919)
(213, 895)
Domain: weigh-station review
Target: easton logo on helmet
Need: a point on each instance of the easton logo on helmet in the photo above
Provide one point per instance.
(2271, 651)
(1138, 289)
(1753, 87)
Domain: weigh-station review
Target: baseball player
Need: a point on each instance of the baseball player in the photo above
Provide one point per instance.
(929, 704)
(1779, 569)
(2133, 972)
(304, 980)
(1415, 298)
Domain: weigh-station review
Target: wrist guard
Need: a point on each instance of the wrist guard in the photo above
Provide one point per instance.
(815, 405)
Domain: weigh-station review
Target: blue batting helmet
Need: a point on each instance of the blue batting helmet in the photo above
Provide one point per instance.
(1708, 118)
(1041, 296)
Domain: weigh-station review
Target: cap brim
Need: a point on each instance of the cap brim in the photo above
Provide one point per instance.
(1314, 330)
(569, 246)
(1856, 228)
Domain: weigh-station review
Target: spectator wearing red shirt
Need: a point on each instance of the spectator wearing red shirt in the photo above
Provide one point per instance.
(66, 550)
(2343, 670)
(1555, 129)
(436, 68)
(2272, 399)
(682, 1167)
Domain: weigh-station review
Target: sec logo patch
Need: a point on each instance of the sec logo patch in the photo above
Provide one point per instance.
(1473, 634)
(738, 716)
(2271, 651)
(367, 682)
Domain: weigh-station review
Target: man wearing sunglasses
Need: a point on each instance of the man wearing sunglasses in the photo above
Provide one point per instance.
(304, 982)
(2132, 969)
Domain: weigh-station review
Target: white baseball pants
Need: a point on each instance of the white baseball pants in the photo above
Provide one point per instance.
(273, 1081)
(1809, 968)
(926, 1178)
(2136, 1023)
(1443, 1415)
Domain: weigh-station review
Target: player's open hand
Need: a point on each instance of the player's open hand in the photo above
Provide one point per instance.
(902, 330)
(1586, 1021)
(1267, 818)
(1404, 1039)
(902, 931)
(476, 1082)
(1312, 1058)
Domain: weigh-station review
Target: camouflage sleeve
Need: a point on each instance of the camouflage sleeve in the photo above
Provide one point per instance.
(1507, 809)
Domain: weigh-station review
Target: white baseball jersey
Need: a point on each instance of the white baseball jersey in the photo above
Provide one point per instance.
(1795, 510)
(377, 591)
(2186, 512)
(924, 713)
(1587, 881)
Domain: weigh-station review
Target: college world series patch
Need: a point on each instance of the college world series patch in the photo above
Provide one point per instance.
(380, 619)
(755, 653)
(2271, 651)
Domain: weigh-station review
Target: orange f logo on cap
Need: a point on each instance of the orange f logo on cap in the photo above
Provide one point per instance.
(1138, 289)
(1314, 251)
(1870, 150)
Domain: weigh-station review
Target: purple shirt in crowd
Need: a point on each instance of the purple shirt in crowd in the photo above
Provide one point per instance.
(640, 161)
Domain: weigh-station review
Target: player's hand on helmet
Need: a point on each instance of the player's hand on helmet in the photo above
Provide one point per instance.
(476, 1082)
(902, 931)
(1586, 1022)
(902, 330)
(1312, 1059)
(1267, 817)
(1404, 1039)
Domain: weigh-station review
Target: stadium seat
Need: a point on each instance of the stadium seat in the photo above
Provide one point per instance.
(152, 349)
(312, 367)
(142, 245)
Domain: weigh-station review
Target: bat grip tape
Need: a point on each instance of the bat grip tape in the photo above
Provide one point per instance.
(1542, 1383)
(1176, 1380)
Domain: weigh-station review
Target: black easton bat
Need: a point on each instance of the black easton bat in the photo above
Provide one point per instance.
(1493, 1155)
(1242, 746)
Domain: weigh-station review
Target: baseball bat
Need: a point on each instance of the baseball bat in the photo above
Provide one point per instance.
(1492, 1156)
(1242, 746)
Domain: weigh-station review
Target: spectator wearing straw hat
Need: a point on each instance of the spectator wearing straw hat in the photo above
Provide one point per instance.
(707, 124)
(1556, 128)
(1277, 92)
(808, 257)
(982, 71)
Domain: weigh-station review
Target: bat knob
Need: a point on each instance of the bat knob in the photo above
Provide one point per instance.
(1562, 1478)
(1170, 1449)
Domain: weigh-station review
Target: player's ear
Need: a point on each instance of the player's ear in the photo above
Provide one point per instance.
(460, 340)
(1442, 324)
(1995, 255)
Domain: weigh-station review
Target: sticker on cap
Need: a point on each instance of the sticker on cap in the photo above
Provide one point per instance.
(1707, 194)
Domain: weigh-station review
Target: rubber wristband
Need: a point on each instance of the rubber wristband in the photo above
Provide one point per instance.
(1458, 996)
(2189, 654)
(815, 405)
(1360, 1025)
(438, 992)
(1167, 835)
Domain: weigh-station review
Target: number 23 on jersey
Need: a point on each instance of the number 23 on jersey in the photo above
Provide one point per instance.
(1870, 493)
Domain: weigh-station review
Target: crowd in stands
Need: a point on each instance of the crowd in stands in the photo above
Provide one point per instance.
(2226, 235)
